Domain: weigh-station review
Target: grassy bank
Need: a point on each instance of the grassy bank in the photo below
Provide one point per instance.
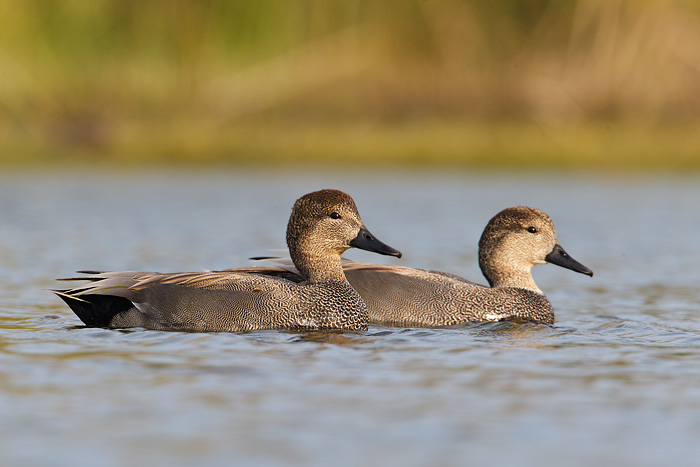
(446, 143)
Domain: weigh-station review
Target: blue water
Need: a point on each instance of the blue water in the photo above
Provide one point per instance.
(616, 381)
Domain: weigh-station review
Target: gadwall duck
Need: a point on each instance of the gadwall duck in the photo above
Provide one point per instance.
(322, 226)
(514, 241)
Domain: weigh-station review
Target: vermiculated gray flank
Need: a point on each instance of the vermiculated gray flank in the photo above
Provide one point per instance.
(322, 226)
(514, 241)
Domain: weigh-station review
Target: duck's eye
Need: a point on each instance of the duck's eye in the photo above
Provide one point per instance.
(335, 215)
(532, 229)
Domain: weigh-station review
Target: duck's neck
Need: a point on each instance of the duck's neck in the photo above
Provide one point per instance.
(316, 267)
(521, 280)
(511, 276)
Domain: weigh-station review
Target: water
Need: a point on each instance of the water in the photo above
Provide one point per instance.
(615, 382)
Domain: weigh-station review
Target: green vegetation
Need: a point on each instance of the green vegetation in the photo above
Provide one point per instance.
(557, 83)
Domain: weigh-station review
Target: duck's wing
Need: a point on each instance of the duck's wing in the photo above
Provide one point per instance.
(423, 274)
(398, 295)
(282, 268)
(192, 301)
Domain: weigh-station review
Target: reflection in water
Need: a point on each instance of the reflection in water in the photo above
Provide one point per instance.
(330, 337)
(615, 380)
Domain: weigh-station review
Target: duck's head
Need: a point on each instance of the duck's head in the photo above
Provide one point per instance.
(515, 240)
(323, 225)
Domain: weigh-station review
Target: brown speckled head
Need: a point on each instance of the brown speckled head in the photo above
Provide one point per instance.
(319, 204)
(514, 241)
(514, 222)
(322, 226)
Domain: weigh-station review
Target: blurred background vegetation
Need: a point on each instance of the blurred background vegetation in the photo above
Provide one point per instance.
(556, 83)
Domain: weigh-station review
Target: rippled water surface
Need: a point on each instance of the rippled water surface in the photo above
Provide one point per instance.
(615, 382)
